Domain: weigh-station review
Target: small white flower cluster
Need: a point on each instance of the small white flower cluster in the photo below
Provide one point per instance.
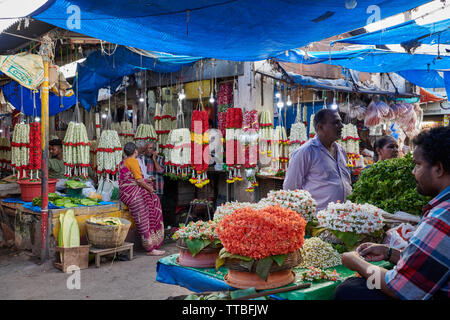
(297, 137)
(300, 201)
(351, 217)
(317, 253)
(205, 230)
(314, 274)
(350, 139)
(229, 207)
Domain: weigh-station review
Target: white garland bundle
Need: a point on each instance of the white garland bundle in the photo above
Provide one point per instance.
(20, 155)
(145, 132)
(180, 155)
(76, 150)
(109, 153)
(126, 132)
(297, 137)
(280, 149)
(265, 133)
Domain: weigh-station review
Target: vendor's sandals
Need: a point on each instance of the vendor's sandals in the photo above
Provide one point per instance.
(155, 252)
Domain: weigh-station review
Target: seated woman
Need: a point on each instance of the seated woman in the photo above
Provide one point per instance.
(142, 201)
(386, 147)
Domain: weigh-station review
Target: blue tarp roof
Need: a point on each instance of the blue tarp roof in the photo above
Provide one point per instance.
(14, 92)
(101, 70)
(423, 78)
(244, 30)
(406, 33)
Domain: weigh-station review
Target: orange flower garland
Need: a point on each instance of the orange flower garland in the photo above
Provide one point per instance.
(262, 233)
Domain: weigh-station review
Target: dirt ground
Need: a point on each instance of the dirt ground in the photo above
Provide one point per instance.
(22, 277)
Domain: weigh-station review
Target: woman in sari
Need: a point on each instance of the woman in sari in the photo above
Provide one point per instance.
(142, 202)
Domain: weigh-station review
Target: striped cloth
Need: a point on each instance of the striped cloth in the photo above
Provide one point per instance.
(424, 266)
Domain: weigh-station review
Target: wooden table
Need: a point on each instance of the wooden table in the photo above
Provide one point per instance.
(98, 252)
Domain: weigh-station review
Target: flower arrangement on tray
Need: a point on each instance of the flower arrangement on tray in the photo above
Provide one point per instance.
(197, 235)
(300, 201)
(259, 238)
(351, 222)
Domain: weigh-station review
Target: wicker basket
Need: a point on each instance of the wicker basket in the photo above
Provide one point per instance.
(101, 236)
(293, 259)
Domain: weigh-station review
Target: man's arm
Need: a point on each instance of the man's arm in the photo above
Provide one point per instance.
(297, 170)
(158, 167)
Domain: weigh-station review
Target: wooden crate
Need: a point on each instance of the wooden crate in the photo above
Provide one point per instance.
(76, 256)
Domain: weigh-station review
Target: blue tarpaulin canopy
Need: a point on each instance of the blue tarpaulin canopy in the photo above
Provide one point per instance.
(19, 96)
(423, 78)
(407, 33)
(102, 71)
(244, 30)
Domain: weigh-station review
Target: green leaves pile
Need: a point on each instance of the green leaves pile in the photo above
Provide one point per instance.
(390, 185)
(65, 202)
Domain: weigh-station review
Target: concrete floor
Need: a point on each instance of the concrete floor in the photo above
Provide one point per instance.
(21, 277)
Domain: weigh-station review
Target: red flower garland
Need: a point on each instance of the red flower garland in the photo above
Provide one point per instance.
(35, 146)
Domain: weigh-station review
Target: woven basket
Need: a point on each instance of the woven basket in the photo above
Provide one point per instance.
(101, 236)
(292, 260)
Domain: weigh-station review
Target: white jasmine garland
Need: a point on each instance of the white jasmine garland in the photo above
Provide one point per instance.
(351, 217)
(297, 137)
(318, 253)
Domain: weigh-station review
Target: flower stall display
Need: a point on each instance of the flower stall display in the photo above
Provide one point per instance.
(280, 152)
(316, 274)
(350, 142)
(126, 132)
(249, 139)
(76, 147)
(20, 149)
(224, 102)
(233, 148)
(228, 208)
(165, 121)
(35, 150)
(198, 243)
(351, 222)
(145, 132)
(179, 160)
(319, 254)
(299, 201)
(265, 243)
(312, 130)
(199, 148)
(109, 154)
(265, 133)
(5, 153)
(297, 137)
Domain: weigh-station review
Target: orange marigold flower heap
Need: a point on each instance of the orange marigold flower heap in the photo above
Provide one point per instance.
(262, 233)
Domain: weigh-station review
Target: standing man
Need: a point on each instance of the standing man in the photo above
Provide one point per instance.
(155, 168)
(422, 269)
(320, 165)
(142, 146)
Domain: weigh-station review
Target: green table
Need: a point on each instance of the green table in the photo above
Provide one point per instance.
(319, 290)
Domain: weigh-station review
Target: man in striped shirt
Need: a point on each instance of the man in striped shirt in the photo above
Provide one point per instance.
(423, 268)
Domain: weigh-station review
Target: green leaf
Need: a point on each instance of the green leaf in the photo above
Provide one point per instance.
(349, 238)
(317, 231)
(279, 259)
(223, 253)
(247, 264)
(197, 245)
(263, 267)
(219, 262)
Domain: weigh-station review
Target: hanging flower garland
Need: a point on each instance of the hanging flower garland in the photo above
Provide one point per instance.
(35, 150)
(199, 148)
(126, 132)
(109, 154)
(165, 121)
(20, 149)
(249, 139)
(297, 137)
(265, 133)
(233, 147)
(5, 153)
(280, 151)
(312, 130)
(179, 160)
(76, 147)
(350, 142)
(224, 102)
(145, 132)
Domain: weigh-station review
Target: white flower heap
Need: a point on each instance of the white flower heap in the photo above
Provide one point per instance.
(312, 130)
(145, 132)
(5, 153)
(319, 254)
(126, 133)
(180, 152)
(109, 153)
(298, 200)
(350, 142)
(351, 217)
(297, 137)
(76, 147)
(20, 149)
(265, 133)
(205, 230)
(230, 207)
(280, 152)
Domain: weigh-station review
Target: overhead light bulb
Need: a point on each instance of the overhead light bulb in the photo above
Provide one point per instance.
(280, 104)
(211, 99)
(182, 96)
(1, 130)
(141, 99)
(289, 102)
(104, 116)
(278, 95)
(37, 119)
(334, 105)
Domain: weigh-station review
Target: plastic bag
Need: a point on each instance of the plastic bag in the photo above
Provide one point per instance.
(105, 188)
(399, 236)
(375, 112)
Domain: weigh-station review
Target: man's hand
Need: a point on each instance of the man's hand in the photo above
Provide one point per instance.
(373, 251)
(351, 260)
